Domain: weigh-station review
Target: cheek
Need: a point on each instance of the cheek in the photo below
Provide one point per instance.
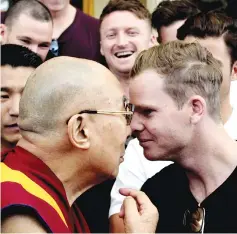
(107, 47)
(4, 109)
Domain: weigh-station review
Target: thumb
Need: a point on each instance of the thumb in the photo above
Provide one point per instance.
(130, 207)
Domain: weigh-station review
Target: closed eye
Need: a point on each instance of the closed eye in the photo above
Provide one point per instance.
(44, 45)
(147, 112)
(25, 41)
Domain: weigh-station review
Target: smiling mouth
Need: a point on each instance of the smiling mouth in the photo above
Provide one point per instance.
(124, 54)
(12, 126)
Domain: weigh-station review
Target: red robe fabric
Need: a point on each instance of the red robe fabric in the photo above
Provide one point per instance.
(28, 186)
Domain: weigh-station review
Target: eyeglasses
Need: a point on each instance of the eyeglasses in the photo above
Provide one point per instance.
(128, 113)
(195, 221)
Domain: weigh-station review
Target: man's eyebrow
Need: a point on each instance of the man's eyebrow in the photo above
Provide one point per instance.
(24, 37)
(5, 89)
(144, 106)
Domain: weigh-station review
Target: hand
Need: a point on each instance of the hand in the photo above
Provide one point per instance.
(138, 213)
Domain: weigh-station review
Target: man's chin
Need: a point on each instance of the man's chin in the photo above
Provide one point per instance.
(11, 140)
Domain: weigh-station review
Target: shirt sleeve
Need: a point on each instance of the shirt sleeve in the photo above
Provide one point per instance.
(133, 173)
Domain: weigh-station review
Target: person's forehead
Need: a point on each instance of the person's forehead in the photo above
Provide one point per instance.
(14, 77)
(216, 45)
(169, 33)
(146, 86)
(122, 19)
(28, 26)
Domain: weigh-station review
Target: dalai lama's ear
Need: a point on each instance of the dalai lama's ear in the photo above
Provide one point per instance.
(78, 132)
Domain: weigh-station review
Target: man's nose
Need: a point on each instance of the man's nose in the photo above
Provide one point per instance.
(34, 48)
(14, 110)
(122, 40)
(136, 123)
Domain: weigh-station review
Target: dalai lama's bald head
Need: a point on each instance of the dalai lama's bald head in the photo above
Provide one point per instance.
(63, 87)
(51, 117)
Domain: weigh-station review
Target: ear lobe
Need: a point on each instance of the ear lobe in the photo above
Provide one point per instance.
(153, 39)
(101, 49)
(198, 108)
(234, 71)
(78, 132)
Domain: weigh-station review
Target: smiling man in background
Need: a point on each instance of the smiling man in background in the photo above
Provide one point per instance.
(28, 23)
(125, 31)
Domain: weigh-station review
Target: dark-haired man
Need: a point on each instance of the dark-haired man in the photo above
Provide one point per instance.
(28, 23)
(169, 16)
(218, 33)
(17, 63)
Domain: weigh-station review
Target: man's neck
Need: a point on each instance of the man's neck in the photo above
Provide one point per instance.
(226, 109)
(123, 78)
(6, 145)
(62, 20)
(209, 161)
(75, 175)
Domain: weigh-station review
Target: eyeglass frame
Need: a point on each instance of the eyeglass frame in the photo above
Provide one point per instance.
(129, 110)
(107, 112)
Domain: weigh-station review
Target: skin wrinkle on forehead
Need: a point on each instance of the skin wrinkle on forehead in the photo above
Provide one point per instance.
(66, 88)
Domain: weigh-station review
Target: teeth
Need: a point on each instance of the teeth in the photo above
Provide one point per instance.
(124, 53)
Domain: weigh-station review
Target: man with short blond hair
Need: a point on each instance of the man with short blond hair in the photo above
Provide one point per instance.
(175, 88)
(125, 30)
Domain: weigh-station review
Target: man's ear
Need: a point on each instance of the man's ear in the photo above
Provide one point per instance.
(234, 71)
(153, 39)
(101, 49)
(198, 107)
(3, 31)
(78, 132)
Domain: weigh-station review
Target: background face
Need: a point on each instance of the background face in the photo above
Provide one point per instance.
(219, 51)
(31, 33)
(55, 5)
(123, 37)
(12, 85)
(161, 128)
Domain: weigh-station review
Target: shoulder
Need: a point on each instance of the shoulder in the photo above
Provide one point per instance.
(164, 181)
(22, 223)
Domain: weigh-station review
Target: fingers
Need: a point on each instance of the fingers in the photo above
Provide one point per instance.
(140, 197)
(130, 206)
(122, 211)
